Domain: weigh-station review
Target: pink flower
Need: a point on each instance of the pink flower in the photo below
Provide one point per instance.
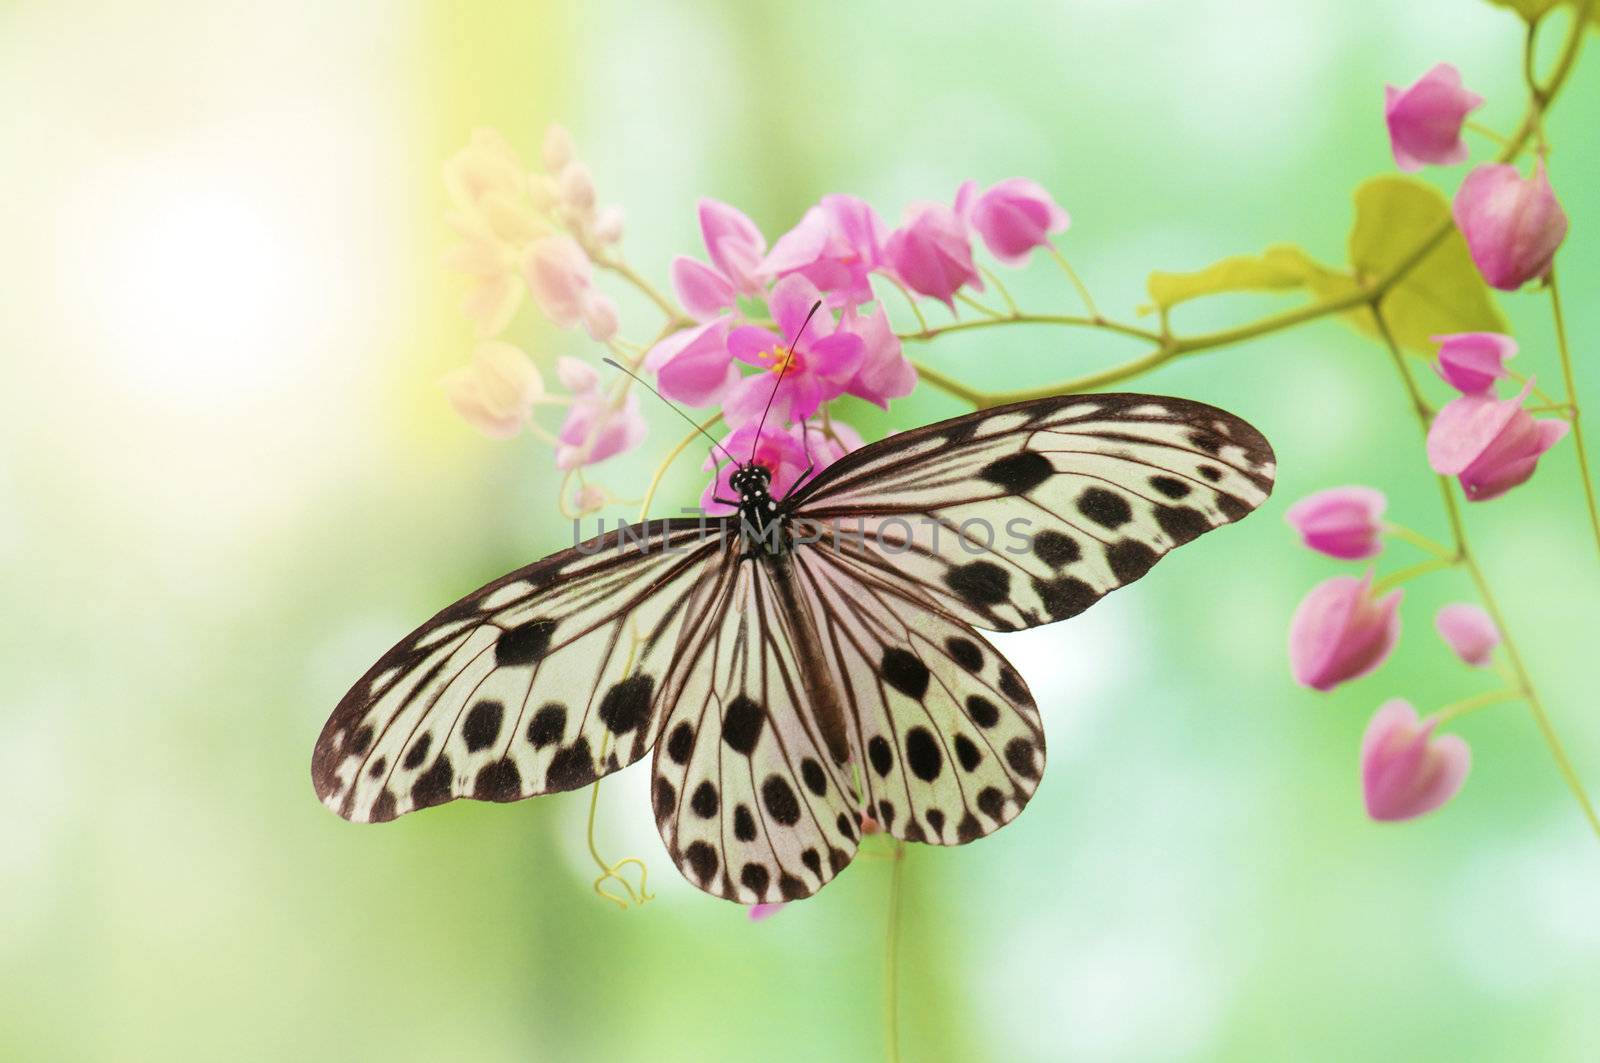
(1491, 445)
(1513, 226)
(1341, 632)
(693, 365)
(495, 393)
(558, 149)
(1342, 522)
(758, 912)
(597, 426)
(735, 245)
(931, 253)
(1471, 362)
(1425, 120)
(559, 276)
(1013, 217)
(590, 498)
(884, 373)
(819, 364)
(776, 448)
(836, 246)
(491, 214)
(1405, 771)
(1469, 632)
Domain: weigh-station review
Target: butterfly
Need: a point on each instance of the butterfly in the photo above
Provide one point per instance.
(810, 660)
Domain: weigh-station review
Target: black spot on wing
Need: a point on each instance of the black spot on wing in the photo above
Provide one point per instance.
(982, 710)
(1170, 486)
(704, 800)
(744, 824)
(964, 652)
(991, 802)
(626, 705)
(1106, 508)
(418, 752)
(547, 725)
(880, 753)
(1056, 549)
(1064, 597)
(981, 584)
(666, 798)
(905, 671)
(525, 644)
(680, 743)
(812, 773)
(1211, 472)
(967, 753)
(922, 753)
(1232, 508)
(483, 724)
(1182, 523)
(1129, 559)
(362, 739)
(1020, 754)
(432, 787)
(498, 781)
(780, 800)
(755, 878)
(702, 861)
(741, 725)
(1018, 473)
(571, 767)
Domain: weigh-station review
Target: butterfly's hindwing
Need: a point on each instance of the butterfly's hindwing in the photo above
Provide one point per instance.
(1028, 514)
(944, 731)
(542, 681)
(749, 803)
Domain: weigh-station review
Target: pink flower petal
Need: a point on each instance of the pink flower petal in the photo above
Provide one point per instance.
(1425, 120)
(1469, 632)
(1339, 632)
(1405, 772)
(1471, 362)
(1342, 522)
(704, 292)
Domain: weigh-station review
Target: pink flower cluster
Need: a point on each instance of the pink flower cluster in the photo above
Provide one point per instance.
(848, 348)
(1513, 225)
(1345, 628)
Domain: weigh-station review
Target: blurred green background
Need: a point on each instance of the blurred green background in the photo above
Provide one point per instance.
(230, 482)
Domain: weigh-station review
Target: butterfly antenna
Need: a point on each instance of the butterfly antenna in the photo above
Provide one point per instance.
(787, 361)
(673, 408)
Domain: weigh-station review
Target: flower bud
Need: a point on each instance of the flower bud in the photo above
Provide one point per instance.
(558, 149)
(560, 277)
(1342, 522)
(577, 188)
(1491, 445)
(608, 225)
(1341, 632)
(1425, 120)
(1013, 217)
(1471, 362)
(1512, 224)
(496, 391)
(931, 253)
(1469, 632)
(599, 316)
(1405, 771)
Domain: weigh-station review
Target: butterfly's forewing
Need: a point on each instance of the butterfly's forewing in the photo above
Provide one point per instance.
(749, 803)
(1027, 514)
(541, 681)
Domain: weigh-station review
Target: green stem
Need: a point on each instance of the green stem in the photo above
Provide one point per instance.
(1411, 572)
(676, 318)
(951, 386)
(1077, 282)
(1473, 704)
(891, 959)
(1572, 406)
(1417, 539)
(1069, 320)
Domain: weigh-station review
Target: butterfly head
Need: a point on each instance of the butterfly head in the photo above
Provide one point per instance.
(751, 482)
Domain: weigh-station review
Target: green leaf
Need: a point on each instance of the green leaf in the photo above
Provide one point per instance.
(1534, 10)
(1279, 268)
(1442, 292)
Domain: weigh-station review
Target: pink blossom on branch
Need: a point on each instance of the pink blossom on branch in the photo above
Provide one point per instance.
(1491, 445)
(559, 276)
(1513, 225)
(1342, 522)
(735, 246)
(496, 391)
(1470, 632)
(885, 372)
(814, 369)
(598, 426)
(1471, 362)
(1425, 120)
(1340, 631)
(1013, 217)
(836, 246)
(931, 253)
(693, 365)
(1405, 771)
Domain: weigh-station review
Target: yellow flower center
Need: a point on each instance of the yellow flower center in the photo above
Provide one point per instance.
(780, 358)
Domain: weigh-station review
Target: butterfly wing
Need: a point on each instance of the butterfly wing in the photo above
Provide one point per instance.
(1027, 514)
(541, 681)
(748, 800)
(912, 544)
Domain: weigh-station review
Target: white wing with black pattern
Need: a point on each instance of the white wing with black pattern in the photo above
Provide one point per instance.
(1027, 514)
(541, 681)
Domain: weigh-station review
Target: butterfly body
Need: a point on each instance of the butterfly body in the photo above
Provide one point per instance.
(839, 674)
